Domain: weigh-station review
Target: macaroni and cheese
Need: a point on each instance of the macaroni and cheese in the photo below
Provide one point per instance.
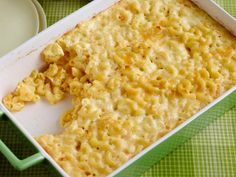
(135, 72)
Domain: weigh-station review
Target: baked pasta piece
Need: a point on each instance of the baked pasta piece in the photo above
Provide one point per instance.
(135, 72)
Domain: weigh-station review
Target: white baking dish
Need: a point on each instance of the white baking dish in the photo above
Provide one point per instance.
(42, 118)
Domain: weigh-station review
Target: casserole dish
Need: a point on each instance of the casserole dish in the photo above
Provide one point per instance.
(38, 114)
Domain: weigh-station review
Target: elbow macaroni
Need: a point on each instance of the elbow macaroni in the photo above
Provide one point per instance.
(135, 72)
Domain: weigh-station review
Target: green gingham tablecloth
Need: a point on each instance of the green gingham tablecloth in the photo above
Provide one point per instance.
(210, 153)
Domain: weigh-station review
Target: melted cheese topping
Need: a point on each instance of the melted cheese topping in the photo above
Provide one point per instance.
(135, 72)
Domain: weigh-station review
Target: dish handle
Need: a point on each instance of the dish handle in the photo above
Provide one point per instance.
(16, 162)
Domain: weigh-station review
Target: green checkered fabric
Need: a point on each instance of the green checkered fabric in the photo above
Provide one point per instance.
(210, 153)
(57, 9)
(228, 5)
